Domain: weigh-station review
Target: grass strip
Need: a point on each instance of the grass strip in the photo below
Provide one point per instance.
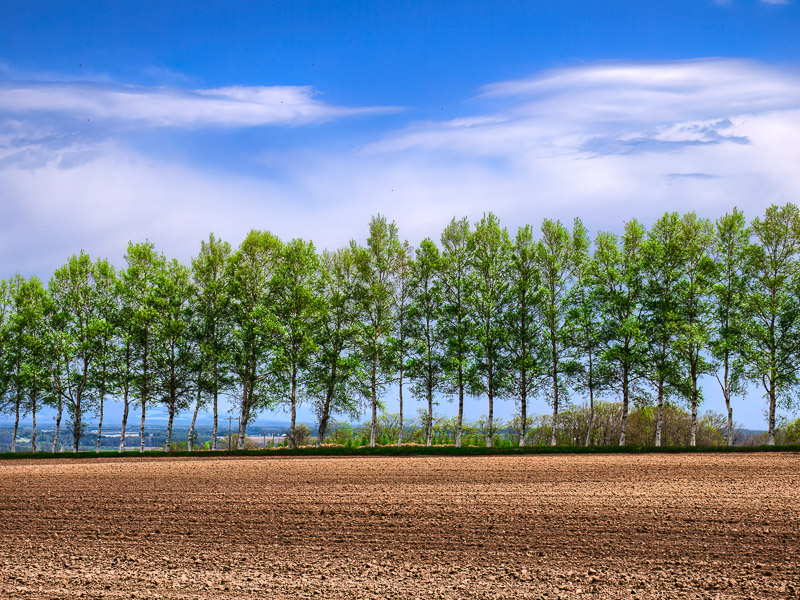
(407, 450)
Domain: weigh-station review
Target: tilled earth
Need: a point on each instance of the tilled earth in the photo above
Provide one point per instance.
(616, 526)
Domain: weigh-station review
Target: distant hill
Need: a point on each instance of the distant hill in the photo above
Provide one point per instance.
(751, 432)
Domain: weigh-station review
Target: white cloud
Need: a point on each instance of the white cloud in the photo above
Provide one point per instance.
(237, 106)
(611, 141)
(605, 142)
(558, 110)
(118, 196)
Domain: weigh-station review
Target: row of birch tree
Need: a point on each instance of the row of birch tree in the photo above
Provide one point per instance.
(638, 316)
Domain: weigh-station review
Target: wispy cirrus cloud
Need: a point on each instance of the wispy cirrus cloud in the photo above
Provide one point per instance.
(138, 106)
(612, 141)
(611, 106)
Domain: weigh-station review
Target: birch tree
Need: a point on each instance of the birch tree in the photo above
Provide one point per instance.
(174, 364)
(727, 343)
(336, 369)
(454, 322)
(489, 253)
(11, 369)
(558, 257)
(376, 265)
(294, 293)
(663, 254)
(584, 327)
(423, 314)
(252, 268)
(527, 356)
(694, 309)
(140, 290)
(6, 305)
(38, 350)
(26, 378)
(401, 342)
(123, 367)
(213, 333)
(619, 284)
(772, 351)
(78, 291)
(106, 315)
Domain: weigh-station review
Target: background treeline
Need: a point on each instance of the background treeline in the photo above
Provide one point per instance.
(480, 313)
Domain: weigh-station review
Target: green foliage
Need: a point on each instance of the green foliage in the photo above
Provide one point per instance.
(662, 255)
(693, 303)
(559, 258)
(336, 373)
(27, 357)
(294, 290)
(83, 297)
(459, 375)
(402, 342)
(174, 360)
(5, 317)
(772, 351)
(302, 435)
(340, 433)
(253, 322)
(489, 250)
(212, 323)
(792, 432)
(729, 318)
(139, 291)
(528, 358)
(274, 323)
(618, 280)
(373, 291)
(426, 344)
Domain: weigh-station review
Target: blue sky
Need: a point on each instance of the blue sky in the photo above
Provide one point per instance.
(130, 120)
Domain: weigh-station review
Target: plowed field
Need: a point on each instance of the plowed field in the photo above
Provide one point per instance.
(618, 526)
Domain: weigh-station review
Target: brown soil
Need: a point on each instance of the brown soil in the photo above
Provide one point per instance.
(619, 526)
